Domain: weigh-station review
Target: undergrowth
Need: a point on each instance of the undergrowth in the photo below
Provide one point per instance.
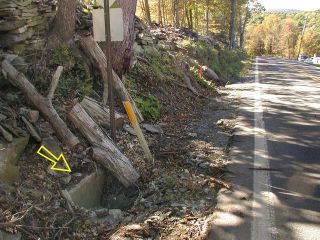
(228, 64)
(74, 80)
(149, 106)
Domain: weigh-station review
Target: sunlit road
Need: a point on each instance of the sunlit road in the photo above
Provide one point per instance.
(275, 158)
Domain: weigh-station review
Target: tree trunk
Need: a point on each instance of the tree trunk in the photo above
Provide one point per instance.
(207, 17)
(164, 13)
(123, 51)
(64, 23)
(104, 150)
(185, 12)
(232, 24)
(159, 13)
(101, 114)
(176, 13)
(148, 14)
(43, 104)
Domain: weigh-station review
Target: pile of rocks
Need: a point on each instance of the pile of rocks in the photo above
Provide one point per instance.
(149, 38)
(23, 23)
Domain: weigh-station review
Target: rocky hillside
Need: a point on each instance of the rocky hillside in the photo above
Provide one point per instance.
(174, 83)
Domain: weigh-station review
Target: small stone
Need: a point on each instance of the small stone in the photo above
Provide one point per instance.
(127, 219)
(7, 236)
(66, 179)
(193, 135)
(77, 174)
(115, 216)
(129, 129)
(2, 117)
(153, 128)
(183, 190)
(220, 122)
(204, 165)
(31, 115)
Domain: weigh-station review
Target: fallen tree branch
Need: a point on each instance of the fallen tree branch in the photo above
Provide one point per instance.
(185, 76)
(98, 58)
(31, 129)
(44, 105)
(141, 59)
(104, 150)
(101, 114)
(54, 82)
(7, 136)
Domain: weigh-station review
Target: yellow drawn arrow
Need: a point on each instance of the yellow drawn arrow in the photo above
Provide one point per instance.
(52, 158)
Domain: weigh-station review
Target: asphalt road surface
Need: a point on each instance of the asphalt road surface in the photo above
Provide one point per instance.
(275, 158)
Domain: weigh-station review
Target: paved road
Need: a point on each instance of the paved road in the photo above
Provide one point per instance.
(275, 157)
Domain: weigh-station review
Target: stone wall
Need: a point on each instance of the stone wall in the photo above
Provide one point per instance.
(24, 23)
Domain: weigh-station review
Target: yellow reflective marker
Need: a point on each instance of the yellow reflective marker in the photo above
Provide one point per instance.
(54, 159)
(130, 112)
(137, 129)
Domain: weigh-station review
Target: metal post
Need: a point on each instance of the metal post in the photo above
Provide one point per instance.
(109, 68)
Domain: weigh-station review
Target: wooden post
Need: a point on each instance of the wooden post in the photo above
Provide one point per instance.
(109, 68)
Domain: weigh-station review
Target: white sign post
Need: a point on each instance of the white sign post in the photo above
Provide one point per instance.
(116, 23)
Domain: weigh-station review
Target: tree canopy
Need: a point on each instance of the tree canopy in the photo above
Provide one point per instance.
(284, 34)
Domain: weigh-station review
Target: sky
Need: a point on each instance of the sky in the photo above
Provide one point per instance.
(306, 5)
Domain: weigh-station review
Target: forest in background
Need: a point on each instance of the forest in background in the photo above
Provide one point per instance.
(284, 34)
(225, 21)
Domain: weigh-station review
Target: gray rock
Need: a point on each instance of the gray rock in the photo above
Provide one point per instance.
(111, 219)
(2, 117)
(66, 179)
(52, 145)
(178, 205)
(77, 174)
(9, 155)
(129, 129)
(7, 236)
(183, 190)
(193, 135)
(115, 216)
(204, 165)
(153, 128)
(138, 50)
(220, 122)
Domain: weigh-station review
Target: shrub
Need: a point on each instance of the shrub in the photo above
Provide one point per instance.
(149, 106)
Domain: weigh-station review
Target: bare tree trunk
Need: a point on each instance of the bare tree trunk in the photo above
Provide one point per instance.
(123, 51)
(159, 13)
(185, 12)
(176, 13)
(147, 8)
(64, 23)
(232, 24)
(164, 12)
(196, 17)
(207, 17)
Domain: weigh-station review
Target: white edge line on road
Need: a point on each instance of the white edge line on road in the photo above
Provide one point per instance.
(263, 223)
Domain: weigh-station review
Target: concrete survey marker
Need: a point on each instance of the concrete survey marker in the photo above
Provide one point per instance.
(88, 192)
(116, 23)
